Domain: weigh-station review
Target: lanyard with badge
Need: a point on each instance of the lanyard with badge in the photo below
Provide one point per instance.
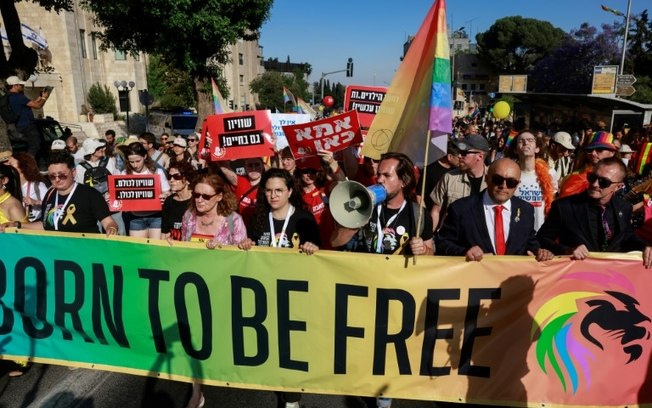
(379, 227)
(58, 212)
(285, 225)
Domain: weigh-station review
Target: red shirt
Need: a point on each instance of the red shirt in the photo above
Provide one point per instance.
(315, 202)
(246, 203)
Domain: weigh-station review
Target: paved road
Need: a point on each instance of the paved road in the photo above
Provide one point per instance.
(49, 386)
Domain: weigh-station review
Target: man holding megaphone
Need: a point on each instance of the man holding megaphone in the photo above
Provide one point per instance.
(382, 218)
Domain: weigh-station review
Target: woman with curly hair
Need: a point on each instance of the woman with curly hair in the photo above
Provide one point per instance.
(211, 216)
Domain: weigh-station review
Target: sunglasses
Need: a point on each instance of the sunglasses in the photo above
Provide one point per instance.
(192, 140)
(176, 176)
(603, 182)
(464, 153)
(509, 181)
(59, 176)
(205, 197)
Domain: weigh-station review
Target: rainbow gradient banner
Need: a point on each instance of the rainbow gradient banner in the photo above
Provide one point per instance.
(418, 102)
(504, 331)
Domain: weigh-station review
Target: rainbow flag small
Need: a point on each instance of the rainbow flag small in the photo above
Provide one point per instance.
(218, 103)
(288, 97)
(510, 137)
(305, 108)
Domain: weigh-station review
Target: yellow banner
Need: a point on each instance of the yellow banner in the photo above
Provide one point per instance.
(507, 330)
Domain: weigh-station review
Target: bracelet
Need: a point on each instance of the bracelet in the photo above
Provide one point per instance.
(112, 228)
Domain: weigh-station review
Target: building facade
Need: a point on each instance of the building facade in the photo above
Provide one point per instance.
(76, 62)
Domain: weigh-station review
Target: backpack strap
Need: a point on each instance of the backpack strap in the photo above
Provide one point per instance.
(247, 193)
(85, 165)
(229, 219)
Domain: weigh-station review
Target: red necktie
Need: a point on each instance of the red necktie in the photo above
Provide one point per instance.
(499, 230)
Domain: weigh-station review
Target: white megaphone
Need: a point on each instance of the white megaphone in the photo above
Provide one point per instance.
(352, 204)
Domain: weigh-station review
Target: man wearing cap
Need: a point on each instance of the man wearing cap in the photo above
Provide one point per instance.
(595, 220)
(180, 152)
(600, 147)
(435, 171)
(561, 147)
(467, 179)
(58, 145)
(94, 153)
(22, 106)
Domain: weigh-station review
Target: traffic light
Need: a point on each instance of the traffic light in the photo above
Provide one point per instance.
(349, 68)
(231, 104)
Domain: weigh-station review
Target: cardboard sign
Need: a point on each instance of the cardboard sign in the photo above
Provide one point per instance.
(135, 192)
(238, 135)
(366, 100)
(286, 119)
(333, 134)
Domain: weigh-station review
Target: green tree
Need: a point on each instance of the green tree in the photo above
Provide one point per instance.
(170, 87)
(192, 35)
(101, 99)
(515, 44)
(269, 88)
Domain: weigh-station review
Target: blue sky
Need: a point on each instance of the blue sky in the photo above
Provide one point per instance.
(372, 32)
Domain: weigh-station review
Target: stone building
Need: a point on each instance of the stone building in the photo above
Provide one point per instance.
(76, 61)
(72, 62)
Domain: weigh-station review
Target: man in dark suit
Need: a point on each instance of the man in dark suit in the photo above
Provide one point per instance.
(595, 220)
(493, 221)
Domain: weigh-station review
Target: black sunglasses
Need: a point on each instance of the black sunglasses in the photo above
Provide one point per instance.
(206, 197)
(176, 176)
(464, 153)
(603, 182)
(509, 181)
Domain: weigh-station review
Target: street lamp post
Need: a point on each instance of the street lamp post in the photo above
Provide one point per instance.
(622, 59)
(124, 88)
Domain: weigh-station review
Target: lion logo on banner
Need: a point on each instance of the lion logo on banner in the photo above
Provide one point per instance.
(594, 316)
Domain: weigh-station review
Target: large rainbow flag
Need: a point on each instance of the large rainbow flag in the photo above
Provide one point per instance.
(419, 98)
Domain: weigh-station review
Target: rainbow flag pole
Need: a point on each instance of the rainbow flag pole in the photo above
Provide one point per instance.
(418, 102)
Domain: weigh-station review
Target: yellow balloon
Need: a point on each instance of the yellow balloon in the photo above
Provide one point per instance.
(501, 110)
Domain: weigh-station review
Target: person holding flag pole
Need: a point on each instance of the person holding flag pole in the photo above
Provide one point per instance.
(418, 103)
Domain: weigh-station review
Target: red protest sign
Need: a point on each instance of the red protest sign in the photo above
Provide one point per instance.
(238, 135)
(366, 100)
(333, 134)
(135, 192)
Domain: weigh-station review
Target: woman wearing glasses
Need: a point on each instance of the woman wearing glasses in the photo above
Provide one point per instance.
(69, 206)
(280, 221)
(180, 175)
(144, 224)
(211, 217)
